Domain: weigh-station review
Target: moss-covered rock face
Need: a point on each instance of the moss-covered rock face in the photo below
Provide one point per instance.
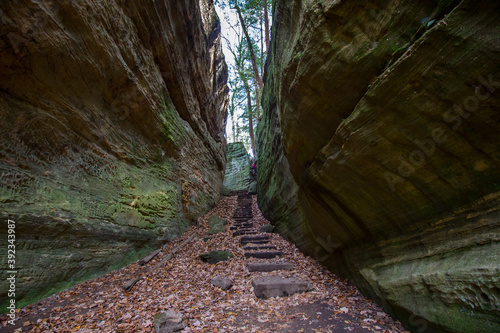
(379, 151)
(237, 177)
(111, 132)
(216, 224)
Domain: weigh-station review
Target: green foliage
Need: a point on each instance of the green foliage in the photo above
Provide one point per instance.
(241, 73)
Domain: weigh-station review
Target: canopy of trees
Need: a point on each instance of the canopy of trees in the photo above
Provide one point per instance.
(248, 45)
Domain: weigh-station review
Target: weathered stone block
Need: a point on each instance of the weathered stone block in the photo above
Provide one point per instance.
(244, 232)
(267, 228)
(275, 286)
(214, 257)
(169, 321)
(264, 255)
(222, 282)
(237, 176)
(269, 267)
(216, 224)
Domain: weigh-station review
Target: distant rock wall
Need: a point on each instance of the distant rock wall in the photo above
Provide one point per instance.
(112, 119)
(379, 151)
(237, 176)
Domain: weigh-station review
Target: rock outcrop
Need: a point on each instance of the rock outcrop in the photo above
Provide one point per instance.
(112, 119)
(379, 151)
(237, 177)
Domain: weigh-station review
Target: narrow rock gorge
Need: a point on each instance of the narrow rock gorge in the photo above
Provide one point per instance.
(112, 120)
(379, 151)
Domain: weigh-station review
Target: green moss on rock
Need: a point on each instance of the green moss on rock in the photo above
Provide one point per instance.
(216, 224)
(237, 176)
(214, 257)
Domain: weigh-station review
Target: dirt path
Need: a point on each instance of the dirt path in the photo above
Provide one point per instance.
(183, 284)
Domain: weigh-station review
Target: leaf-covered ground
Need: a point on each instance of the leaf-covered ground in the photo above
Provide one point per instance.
(183, 284)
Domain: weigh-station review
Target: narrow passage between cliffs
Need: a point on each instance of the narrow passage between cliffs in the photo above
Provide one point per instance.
(233, 274)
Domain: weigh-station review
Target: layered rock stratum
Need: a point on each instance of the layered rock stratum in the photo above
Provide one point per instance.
(379, 151)
(237, 174)
(112, 119)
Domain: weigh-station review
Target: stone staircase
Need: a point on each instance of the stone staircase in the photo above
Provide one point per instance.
(259, 245)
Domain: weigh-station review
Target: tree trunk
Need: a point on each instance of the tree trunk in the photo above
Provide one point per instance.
(266, 25)
(261, 49)
(232, 118)
(250, 116)
(250, 120)
(257, 106)
(250, 48)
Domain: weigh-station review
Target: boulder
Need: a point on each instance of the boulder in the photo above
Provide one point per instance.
(214, 257)
(237, 176)
(169, 321)
(222, 282)
(267, 228)
(216, 224)
(252, 188)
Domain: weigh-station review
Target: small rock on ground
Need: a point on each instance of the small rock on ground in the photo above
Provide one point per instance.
(216, 224)
(169, 321)
(221, 282)
(214, 257)
(267, 228)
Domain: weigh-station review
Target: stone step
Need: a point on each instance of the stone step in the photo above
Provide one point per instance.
(248, 216)
(269, 267)
(275, 286)
(251, 238)
(255, 240)
(243, 225)
(244, 232)
(241, 228)
(264, 255)
(254, 248)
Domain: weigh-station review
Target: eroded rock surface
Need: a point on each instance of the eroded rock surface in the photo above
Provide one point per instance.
(237, 177)
(379, 151)
(112, 118)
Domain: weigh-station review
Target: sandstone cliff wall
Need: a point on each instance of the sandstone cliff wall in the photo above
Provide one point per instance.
(237, 175)
(112, 118)
(379, 151)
